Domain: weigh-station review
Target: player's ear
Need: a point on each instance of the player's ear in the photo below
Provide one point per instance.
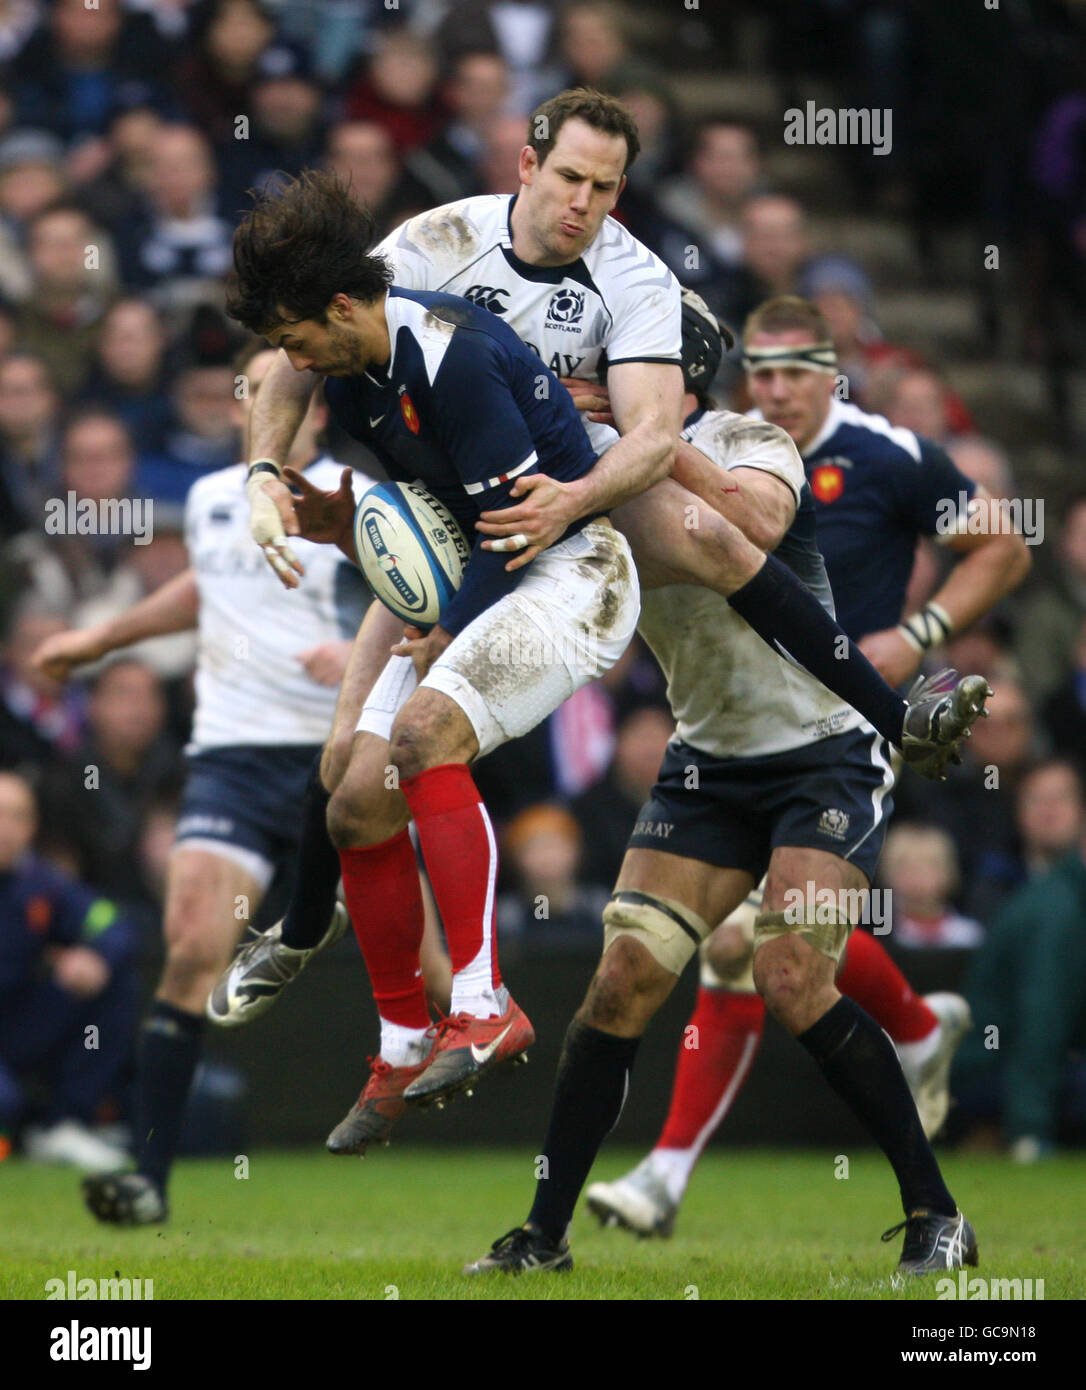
(529, 163)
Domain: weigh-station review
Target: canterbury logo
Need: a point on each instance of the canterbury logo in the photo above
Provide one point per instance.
(487, 297)
(483, 1055)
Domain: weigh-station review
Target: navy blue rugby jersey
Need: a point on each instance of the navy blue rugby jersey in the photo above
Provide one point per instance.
(877, 488)
(464, 408)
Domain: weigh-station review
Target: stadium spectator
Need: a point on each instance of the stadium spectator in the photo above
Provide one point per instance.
(284, 130)
(96, 802)
(1027, 990)
(66, 967)
(177, 245)
(397, 90)
(31, 178)
(38, 717)
(915, 399)
(776, 242)
(692, 223)
(448, 167)
(109, 173)
(542, 849)
(362, 152)
(201, 436)
(593, 43)
(335, 32)
(525, 33)
(71, 290)
(29, 418)
(919, 867)
(77, 61)
(212, 82)
(724, 173)
(1051, 617)
(607, 810)
(1048, 820)
(129, 374)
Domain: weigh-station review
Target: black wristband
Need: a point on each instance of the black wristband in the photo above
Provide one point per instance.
(264, 466)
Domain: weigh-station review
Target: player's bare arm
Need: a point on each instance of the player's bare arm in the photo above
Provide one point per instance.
(759, 503)
(171, 608)
(994, 562)
(279, 408)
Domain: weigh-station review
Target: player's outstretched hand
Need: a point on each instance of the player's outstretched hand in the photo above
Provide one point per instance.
(590, 397)
(532, 524)
(59, 655)
(324, 517)
(271, 521)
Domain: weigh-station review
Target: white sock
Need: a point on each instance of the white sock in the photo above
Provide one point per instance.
(674, 1166)
(403, 1047)
(913, 1055)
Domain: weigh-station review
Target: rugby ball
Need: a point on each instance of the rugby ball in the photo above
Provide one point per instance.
(410, 549)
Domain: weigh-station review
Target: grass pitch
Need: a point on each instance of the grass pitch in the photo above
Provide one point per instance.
(756, 1225)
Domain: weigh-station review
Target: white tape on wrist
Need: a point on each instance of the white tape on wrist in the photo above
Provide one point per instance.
(929, 628)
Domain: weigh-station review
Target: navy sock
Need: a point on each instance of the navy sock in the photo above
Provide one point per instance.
(315, 882)
(589, 1093)
(171, 1048)
(784, 613)
(859, 1062)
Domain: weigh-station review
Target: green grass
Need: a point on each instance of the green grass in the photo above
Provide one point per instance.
(756, 1224)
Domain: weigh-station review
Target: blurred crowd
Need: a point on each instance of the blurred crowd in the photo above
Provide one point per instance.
(129, 134)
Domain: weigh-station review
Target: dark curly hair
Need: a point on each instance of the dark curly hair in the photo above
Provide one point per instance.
(297, 247)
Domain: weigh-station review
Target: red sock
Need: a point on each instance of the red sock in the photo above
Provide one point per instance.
(871, 978)
(462, 861)
(381, 884)
(708, 1076)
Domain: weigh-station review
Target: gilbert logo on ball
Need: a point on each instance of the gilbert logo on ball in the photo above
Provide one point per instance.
(410, 549)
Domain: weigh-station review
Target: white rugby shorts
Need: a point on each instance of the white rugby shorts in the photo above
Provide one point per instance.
(568, 620)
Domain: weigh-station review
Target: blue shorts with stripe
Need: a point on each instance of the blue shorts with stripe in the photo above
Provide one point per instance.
(834, 794)
(249, 796)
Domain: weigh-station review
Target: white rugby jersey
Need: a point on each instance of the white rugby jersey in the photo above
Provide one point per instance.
(250, 687)
(616, 303)
(731, 695)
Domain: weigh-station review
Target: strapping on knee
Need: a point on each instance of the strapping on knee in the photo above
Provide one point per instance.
(667, 929)
(822, 926)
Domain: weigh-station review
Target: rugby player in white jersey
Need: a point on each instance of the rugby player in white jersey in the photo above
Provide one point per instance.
(876, 490)
(268, 666)
(767, 771)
